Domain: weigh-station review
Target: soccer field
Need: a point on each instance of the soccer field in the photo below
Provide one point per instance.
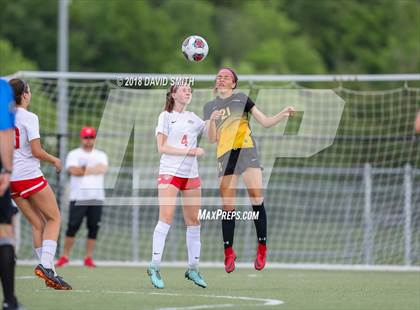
(130, 288)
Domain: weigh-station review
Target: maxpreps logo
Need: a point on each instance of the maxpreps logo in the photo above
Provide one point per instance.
(216, 215)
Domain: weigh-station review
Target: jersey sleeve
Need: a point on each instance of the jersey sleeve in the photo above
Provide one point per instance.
(32, 128)
(163, 124)
(207, 111)
(249, 104)
(71, 160)
(7, 114)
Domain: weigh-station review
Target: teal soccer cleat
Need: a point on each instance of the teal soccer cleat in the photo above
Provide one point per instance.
(194, 275)
(155, 277)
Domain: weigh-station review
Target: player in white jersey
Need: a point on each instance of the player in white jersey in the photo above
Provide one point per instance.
(31, 191)
(177, 132)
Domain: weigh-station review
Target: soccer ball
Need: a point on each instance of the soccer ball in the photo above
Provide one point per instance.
(195, 48)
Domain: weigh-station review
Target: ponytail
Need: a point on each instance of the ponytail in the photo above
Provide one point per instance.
(170, 101)
(19, 87)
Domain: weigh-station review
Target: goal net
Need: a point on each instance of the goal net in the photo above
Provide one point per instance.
(342, 177)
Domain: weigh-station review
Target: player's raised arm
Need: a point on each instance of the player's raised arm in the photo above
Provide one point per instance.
(211, 128)
(269, 121)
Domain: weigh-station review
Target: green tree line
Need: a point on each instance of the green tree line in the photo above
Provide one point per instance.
(254, 36)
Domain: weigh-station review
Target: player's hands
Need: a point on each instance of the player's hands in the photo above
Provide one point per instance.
(198, 151)
(57, 164)
(215, 115)
(288, 111)
(4, 182)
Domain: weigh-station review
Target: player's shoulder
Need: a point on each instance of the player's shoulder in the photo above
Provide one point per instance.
(27, 114)
(210, 104)
(240, 96)
(163, 114)
(195, 116)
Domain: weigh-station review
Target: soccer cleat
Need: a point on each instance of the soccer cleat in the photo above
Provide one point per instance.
(9, 306)
(63, 260)
(51, 279)
(155, 277)
(230, 258)
(194, 275)
(88, 262)
(259, 263)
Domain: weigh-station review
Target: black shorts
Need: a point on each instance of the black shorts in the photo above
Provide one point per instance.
(237, 161)
(6, 208)
(79, 209)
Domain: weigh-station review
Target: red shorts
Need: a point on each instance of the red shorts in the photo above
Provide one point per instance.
(181, 183)
(25, 188)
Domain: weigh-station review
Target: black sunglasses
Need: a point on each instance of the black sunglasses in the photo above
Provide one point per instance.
(89, 137)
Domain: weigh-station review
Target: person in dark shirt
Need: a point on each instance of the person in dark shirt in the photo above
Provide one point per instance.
(227, 118)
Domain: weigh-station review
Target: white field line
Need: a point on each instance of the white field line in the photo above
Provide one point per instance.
(260, 301)
(198, 307)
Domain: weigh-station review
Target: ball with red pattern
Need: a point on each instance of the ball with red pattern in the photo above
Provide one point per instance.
(195, 48)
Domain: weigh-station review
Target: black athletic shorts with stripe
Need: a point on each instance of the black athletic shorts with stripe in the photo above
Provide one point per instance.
(237, 161)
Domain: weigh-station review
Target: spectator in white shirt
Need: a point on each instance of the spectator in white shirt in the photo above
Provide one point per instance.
(87, 167)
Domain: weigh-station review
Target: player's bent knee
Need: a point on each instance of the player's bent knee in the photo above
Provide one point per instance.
(55, 217)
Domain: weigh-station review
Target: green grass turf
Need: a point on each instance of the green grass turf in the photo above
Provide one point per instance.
(130, 288)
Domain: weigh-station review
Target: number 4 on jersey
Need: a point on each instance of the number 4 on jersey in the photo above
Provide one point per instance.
(184, 140)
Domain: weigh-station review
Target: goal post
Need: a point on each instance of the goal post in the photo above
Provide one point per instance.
(354, 202)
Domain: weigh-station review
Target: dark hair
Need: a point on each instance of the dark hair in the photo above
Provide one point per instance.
(19, 87)
(170, 101)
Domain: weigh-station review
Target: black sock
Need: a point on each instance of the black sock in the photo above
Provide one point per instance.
(261, 223)
(7, 273)
(228, 228)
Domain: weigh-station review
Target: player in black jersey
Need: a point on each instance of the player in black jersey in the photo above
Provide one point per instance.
(228, 126)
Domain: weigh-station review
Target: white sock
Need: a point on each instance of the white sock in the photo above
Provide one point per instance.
(48, 253)
(159, 237)
(193, 246)
(38, 253)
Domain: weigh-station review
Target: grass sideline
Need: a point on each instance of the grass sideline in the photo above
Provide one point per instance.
(130, 288)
